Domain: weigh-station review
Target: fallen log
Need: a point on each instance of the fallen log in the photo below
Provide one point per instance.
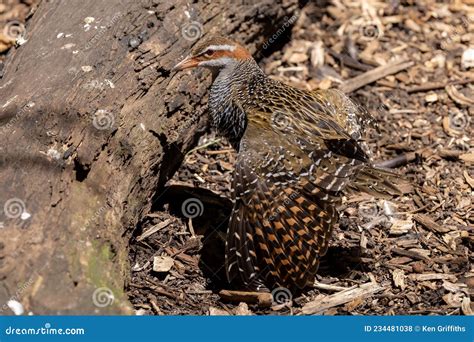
(92, 124)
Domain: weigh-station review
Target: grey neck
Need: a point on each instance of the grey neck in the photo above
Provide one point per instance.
(228, 97)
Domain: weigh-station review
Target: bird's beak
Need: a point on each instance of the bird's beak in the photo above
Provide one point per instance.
(188, 62)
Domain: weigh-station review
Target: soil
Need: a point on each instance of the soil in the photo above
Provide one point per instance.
(417, 247)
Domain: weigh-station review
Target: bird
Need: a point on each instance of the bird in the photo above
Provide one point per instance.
(298, 153)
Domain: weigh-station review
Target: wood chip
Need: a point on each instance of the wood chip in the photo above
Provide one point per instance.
(467, 58)
(437, 85)
(428, 223)
(432, 276)
(466, 307)
(399, 278)
(346, 296)
(213, 311)
(457, 97)
(409, 253)
(162, 264)
(469, 179)
(454, 300)
(375, 74)
(467, 157)
(431, 97)
(401, 226)
(329, 287)
(263, 299)
(243, 310)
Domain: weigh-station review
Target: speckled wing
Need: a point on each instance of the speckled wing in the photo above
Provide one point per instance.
(329, 119)
(351, 117)
(285, 208)
(326, 115)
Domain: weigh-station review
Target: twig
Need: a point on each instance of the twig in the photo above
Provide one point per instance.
(449, 154)
(410, 254)
(375, 74)
(400, 160)
(154, 229)
(263, 299)
(349, 61)
(320, 305)
(328, 287)
(227, 150)
(206, 145)
(437, 85)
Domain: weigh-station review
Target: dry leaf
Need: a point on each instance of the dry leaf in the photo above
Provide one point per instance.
(401, 226)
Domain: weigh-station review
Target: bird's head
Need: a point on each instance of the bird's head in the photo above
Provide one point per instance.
(214, 53)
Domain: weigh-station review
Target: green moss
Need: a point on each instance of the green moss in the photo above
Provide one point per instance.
(95, 259)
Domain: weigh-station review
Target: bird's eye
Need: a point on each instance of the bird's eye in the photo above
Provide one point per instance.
(209, 53)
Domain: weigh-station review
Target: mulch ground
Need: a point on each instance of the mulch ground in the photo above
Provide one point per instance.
(409, 255)
(414, 252)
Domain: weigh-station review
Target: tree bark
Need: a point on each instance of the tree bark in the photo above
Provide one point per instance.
(92, 124)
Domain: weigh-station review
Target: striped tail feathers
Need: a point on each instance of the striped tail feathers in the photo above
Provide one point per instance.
(377, 182)
(277, 233)
(241, 260)
(293, 246)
